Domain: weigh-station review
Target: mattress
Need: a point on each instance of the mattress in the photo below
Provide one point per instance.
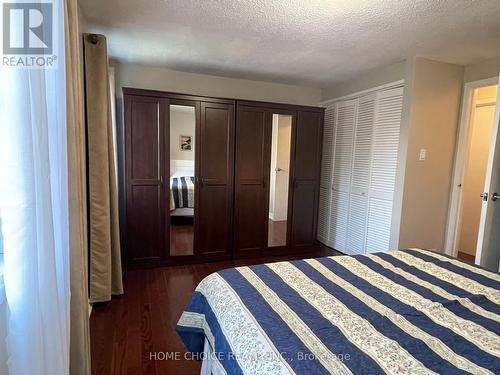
(403, 312)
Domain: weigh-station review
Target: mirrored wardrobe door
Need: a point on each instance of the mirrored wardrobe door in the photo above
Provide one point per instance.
(182, 179)
(279, 179)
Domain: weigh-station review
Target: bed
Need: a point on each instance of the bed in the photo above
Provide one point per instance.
(404, 312)
(182, 187)
(182, 193)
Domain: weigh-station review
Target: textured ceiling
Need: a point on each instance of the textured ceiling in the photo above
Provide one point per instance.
(310, 42)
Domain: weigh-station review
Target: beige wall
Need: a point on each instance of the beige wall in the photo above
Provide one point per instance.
(182, 122)
(147, 77)
(483, 70)
(432, 120)
(475, 171)
(366, 81)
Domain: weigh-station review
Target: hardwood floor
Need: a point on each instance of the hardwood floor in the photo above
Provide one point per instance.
(181, 240)
(277, 233)
(128, 330)
(467, 257)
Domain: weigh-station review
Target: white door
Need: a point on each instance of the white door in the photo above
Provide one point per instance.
(384, 160)
(360, 180)
(325, 186)
(488, 245)
(341, 179)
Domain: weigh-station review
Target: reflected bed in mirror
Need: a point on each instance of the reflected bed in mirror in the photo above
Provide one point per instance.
(279, 180)
(182, 179)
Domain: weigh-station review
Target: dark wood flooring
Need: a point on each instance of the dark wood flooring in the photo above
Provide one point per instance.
(276, 233)
(181, 237)
(181, 240)
(467, 257)
(142, 321)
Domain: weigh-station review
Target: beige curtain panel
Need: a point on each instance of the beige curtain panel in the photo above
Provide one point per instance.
(79, 305)
(105, 263)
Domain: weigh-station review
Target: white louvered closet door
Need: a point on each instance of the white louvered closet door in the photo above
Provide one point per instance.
(341, 173)
(325, 187)
(386, 133)
(360, 178)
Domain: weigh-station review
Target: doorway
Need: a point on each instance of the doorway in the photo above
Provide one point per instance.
(472, 156)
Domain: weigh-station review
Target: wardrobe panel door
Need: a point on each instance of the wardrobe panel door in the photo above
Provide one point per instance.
(307, 161)
(342, 173)
(339, 216)
(358, 203)
(326, 177)
(216, 146)
(144, 153)
(253, 148)
(386, 134)
(344, 139)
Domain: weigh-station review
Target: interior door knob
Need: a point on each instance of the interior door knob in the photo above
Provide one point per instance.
(495, 196)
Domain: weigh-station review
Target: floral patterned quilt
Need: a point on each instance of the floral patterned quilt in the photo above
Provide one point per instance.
(404, 312)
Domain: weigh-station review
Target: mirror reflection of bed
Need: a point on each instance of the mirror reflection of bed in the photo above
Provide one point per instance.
(182, 179)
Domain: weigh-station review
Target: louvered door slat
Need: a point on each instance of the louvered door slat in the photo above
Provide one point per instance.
(324, 215)
(344, 137)
(356, 232)
(386, 133)
(386, 143)
(363, 144)
(339, 220)
(358, 202)
(379, 225)
(326, 160)
(326, 176)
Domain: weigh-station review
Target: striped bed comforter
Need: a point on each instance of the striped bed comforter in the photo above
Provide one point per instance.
(181, 192)
(403, 312)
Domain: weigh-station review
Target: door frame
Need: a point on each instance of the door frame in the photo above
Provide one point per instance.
(461, 155)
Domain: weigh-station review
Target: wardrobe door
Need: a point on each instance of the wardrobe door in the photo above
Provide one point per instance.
(253, 150)
(360, 180)
(307, 161)
(213, 235)
(325, 186)
(386, 134)
(342, 171)
(145, 167)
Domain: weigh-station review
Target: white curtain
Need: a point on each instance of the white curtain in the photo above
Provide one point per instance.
(34, 214)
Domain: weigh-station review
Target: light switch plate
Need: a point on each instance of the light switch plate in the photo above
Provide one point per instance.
(423, 154)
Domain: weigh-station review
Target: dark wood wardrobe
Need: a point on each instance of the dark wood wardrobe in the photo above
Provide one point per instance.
(233, 156)
(252, 164)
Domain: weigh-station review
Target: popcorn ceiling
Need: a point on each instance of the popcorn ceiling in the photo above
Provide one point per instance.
(308, 42)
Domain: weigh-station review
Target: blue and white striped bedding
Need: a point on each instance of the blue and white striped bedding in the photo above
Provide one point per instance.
(403, 312)
(181, 192)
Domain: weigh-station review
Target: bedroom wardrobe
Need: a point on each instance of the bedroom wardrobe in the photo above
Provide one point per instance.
(277, 165)
(208, 179)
